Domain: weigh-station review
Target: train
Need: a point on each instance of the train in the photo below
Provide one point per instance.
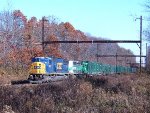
(47, 69)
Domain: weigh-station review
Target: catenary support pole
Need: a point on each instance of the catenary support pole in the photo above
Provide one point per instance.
(140, 44)
(43, 44)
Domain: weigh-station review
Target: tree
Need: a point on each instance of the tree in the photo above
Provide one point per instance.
(21, 39)
(11, 26)
(147, 31)
(68, 32)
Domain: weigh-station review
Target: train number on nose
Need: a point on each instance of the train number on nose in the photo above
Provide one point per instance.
(37, 67)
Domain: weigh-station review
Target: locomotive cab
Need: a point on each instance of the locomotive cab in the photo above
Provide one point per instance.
(39, 67)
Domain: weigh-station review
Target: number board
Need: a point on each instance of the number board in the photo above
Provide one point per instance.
(37, 67)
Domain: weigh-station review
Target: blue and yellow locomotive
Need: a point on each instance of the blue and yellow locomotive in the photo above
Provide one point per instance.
(47, 69)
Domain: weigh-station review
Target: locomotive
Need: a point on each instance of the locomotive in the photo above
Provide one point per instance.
(47, 69)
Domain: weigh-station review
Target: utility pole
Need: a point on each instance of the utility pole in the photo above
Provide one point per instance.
(140, 42)
(146, 58)
(97, 53)
(43, 35)
(116, 63)
(43, 44)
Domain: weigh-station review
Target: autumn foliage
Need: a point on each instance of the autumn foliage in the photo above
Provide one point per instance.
(21, 39)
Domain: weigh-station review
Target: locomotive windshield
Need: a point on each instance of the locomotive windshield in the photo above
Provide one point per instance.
(41, 59)
(35, 59)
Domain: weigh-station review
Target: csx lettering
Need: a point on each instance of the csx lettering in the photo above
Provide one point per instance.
(59, 65)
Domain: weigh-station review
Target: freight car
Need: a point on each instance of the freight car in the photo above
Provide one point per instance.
(46, 69)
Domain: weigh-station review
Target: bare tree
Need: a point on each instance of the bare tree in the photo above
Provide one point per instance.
(11, 29)
(147, 31)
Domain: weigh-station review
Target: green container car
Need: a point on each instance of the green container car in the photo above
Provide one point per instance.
(113, 69)
(92, 68)
(84, 67)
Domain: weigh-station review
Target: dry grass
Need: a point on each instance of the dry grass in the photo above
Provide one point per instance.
(7, 74)
(105, 94)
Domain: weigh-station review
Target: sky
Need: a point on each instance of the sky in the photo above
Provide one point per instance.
(110, 19)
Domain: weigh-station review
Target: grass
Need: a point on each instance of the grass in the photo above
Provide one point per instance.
(104, 94)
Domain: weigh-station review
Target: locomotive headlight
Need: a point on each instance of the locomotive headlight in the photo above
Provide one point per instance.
(30, 76)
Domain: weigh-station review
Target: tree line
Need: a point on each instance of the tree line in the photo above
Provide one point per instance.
(19, 38)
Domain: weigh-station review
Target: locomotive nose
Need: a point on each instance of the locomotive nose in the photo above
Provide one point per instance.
(37, 68)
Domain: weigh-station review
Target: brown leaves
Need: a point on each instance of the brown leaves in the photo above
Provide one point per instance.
(69, 27)
(19, 14)
(53, 49)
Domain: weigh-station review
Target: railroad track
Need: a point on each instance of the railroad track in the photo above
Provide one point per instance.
(33, 84)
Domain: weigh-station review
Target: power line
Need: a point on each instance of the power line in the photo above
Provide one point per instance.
(120, 55)
(94, 41)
